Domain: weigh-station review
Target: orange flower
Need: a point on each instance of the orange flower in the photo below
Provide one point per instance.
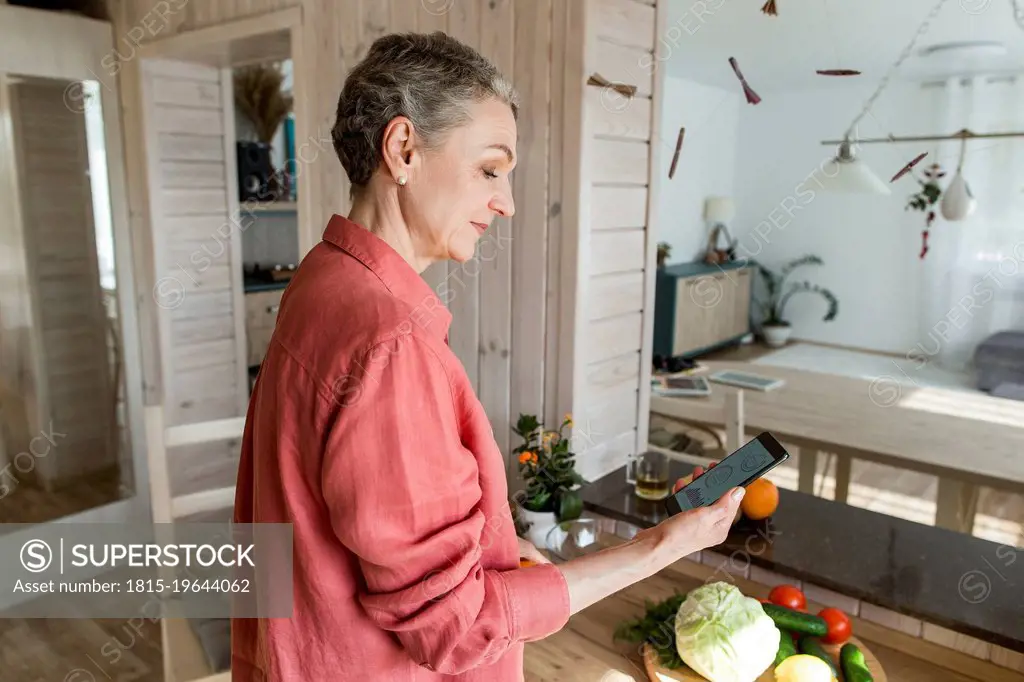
(526, 457)
(533, 457)
(568, 419)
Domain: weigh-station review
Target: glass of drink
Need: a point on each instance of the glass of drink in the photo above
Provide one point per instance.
(651, 474)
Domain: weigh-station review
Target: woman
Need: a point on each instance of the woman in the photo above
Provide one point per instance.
(364, 432)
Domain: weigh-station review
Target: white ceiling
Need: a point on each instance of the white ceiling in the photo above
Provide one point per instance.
(782, 52)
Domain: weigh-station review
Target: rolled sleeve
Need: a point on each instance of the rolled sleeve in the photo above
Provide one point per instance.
(539, 601)
(404, 496)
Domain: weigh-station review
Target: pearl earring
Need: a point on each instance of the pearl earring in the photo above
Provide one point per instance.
(401, 180)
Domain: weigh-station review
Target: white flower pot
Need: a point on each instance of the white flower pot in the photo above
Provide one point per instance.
(540, 524)
(776, 335)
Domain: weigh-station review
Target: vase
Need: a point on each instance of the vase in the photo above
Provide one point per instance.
(539, 525)
(776, 335)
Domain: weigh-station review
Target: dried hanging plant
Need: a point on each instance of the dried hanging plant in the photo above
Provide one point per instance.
(769, 8)
(258, 96)
(926, 199)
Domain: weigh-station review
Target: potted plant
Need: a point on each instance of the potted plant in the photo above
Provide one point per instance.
(547, 465)
(775, 327)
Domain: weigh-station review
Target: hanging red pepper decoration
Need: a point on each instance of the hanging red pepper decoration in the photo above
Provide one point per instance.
(769, 8)
(752, 97)
(924, 244)
(675, 155)
(906, 169)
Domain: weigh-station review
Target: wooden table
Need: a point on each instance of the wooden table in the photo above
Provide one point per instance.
(584, 650)
(966, 439)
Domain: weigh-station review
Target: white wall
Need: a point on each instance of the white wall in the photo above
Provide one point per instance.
(707, 163)
(870, 244)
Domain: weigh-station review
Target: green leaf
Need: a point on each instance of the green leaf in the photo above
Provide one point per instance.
(570, 505)
(656, 628)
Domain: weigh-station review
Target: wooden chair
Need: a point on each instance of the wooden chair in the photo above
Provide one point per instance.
(184, 659)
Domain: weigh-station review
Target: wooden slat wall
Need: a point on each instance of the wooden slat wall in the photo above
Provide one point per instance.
(615, 241)
(514, 307)
(76, 384)
(197, 261)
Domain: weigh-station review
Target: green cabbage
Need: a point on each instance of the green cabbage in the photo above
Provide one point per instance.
(724, 635)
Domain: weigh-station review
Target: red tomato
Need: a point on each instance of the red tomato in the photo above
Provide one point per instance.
(838, 623)
(788, 596)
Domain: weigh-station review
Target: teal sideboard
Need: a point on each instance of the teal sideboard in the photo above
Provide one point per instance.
(699, 307)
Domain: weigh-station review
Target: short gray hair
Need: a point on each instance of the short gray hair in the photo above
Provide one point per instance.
(430, 79)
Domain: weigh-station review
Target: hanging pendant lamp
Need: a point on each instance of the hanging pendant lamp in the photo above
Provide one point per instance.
(845, 172)
(958, 202)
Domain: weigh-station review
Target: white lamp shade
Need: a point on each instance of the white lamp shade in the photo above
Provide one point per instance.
(719, 209)
(851, 177)
(958, 202)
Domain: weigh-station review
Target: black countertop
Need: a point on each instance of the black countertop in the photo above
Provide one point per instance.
(250, 285)
(967, 584)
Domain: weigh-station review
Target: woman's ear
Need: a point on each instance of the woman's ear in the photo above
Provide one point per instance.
(398, 148)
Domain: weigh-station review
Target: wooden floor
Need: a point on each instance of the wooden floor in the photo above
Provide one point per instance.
(902, 493)
(26, 503)
(52, 650)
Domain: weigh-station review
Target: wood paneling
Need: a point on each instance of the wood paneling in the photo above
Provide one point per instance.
(613, 336)
(497, 19)
(522, 308)
(461, 290)
(624, 65)
(616, 294)
(197, 256)
(529, 225)
(625, 22)
(618, 207)
(616, 251)
(615, 116)
(616, 161)
(615, 240)
(69, 355)
(624, 369)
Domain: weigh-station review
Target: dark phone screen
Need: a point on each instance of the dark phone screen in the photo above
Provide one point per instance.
(729, 473)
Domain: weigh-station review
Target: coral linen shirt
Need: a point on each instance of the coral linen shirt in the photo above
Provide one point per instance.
(364, 432)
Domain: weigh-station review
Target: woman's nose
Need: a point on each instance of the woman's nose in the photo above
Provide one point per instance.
(503, 204)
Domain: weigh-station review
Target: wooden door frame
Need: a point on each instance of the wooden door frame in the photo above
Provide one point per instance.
(185, 46)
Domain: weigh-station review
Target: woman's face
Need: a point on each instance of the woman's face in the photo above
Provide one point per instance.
(456, 190)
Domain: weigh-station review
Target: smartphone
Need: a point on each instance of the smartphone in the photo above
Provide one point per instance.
(741, 468)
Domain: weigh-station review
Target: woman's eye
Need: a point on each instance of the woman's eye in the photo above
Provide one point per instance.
(490, 173)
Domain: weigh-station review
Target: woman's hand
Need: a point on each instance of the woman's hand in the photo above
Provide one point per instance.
(595, 576)
(697, 529)
(528, 551)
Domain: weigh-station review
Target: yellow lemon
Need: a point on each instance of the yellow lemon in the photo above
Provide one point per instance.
(803, 668)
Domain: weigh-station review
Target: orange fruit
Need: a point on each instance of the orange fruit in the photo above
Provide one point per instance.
(761, 500)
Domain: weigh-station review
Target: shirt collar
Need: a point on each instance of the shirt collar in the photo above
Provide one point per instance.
(393, 271)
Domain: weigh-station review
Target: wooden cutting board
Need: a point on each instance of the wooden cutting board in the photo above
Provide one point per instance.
(659, 674)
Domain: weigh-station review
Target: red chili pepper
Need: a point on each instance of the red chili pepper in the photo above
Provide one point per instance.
(906, 169)
(752, 97)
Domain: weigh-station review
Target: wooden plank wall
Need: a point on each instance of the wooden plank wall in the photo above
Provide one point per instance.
(613, 270)
(76, 392)
(189, 135)
(502, 302)
(555, 312)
